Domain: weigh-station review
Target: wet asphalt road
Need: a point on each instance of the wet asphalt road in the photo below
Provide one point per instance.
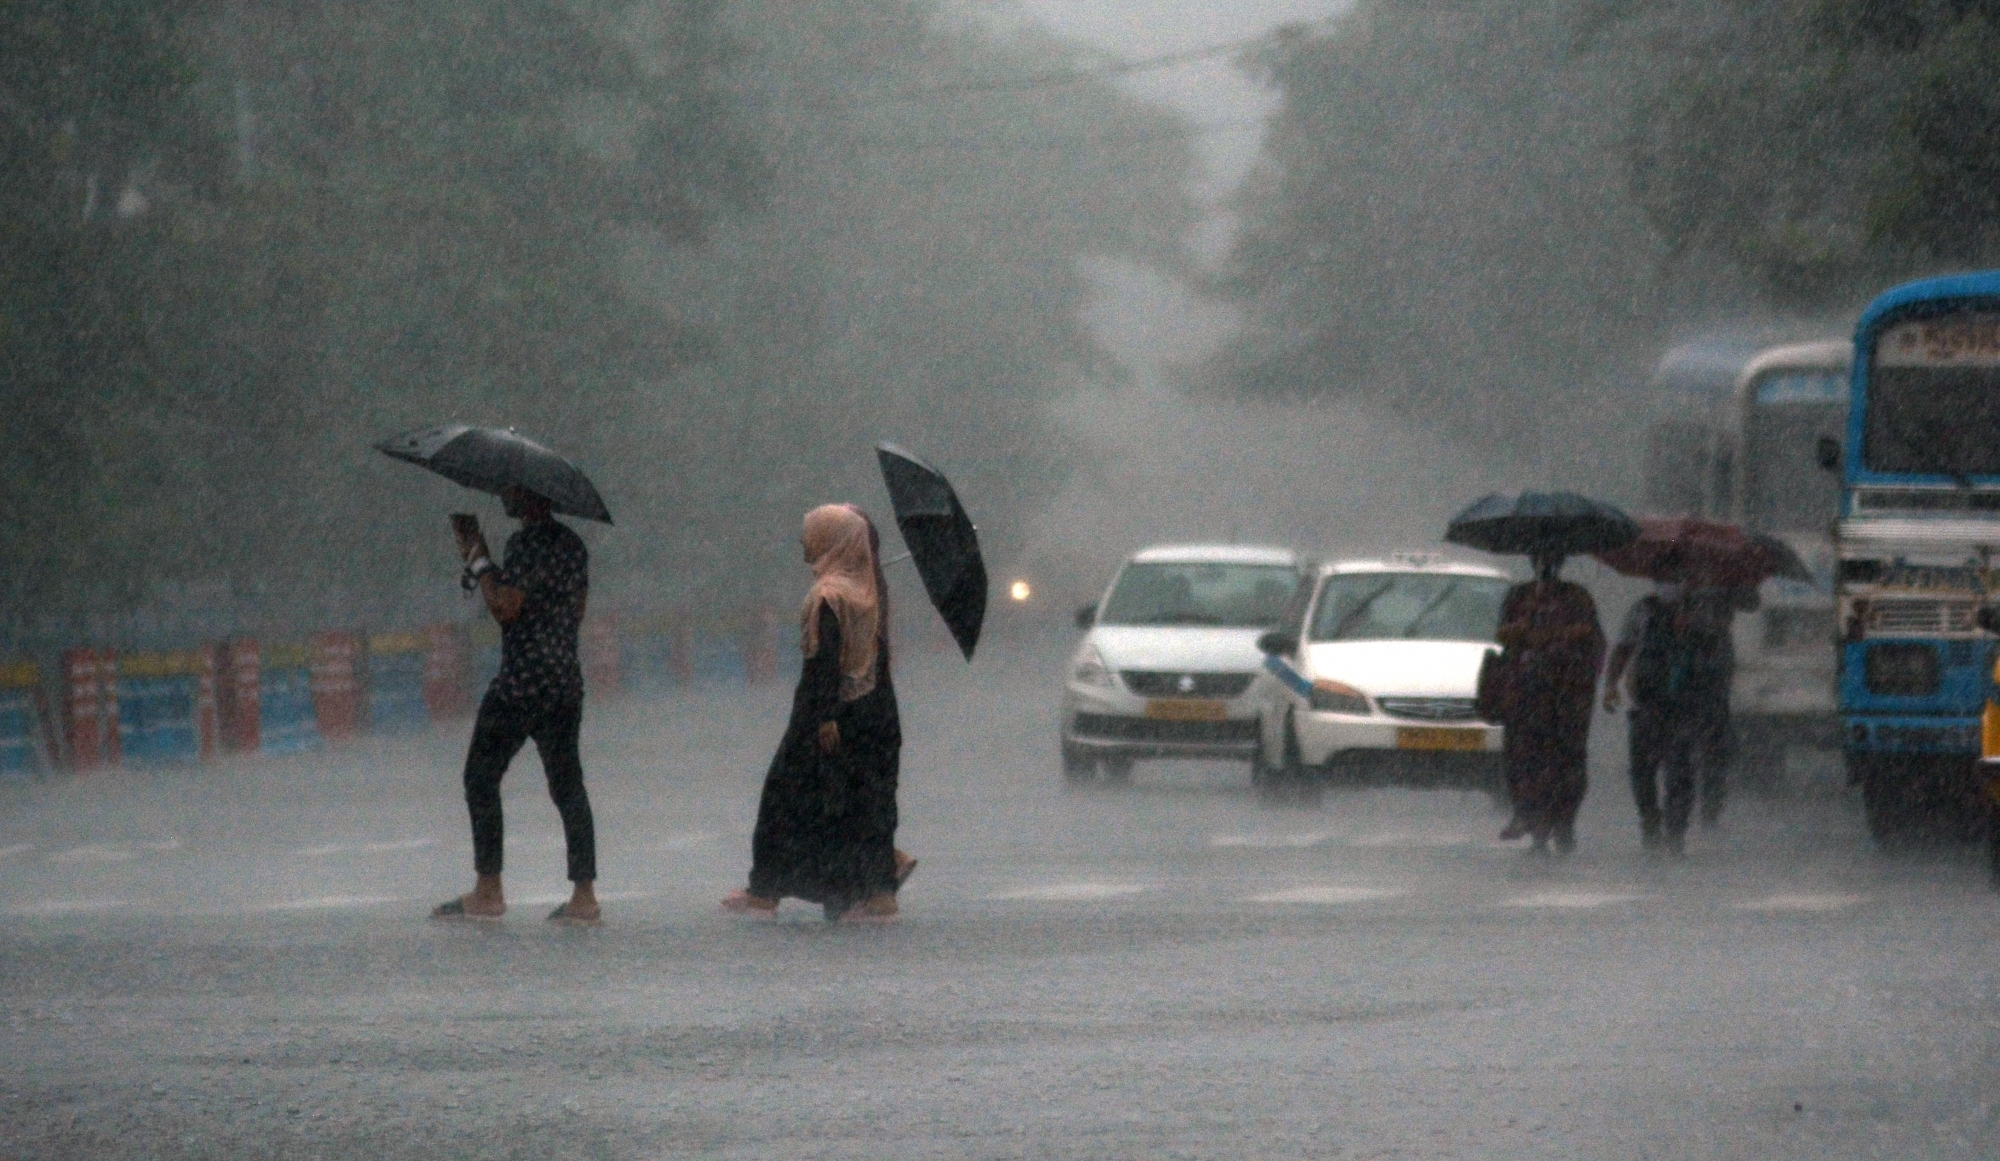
(233, 962)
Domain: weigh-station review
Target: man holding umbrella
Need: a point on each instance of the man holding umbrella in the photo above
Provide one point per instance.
(537, 594)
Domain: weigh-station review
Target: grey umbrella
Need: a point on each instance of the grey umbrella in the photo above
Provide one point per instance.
(490, 460)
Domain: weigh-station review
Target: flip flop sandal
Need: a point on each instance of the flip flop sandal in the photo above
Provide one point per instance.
(561, 915)
(905, 869)
(454, 911)
(750, 906)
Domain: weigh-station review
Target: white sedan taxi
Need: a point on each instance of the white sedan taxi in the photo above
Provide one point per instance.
(1373, 679)
(1169, 655)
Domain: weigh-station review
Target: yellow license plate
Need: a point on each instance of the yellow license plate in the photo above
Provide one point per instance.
(1186, 709)
(1439, 738)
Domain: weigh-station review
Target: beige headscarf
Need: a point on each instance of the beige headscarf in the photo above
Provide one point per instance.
(836, 539)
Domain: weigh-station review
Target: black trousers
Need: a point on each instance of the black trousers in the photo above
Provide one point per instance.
(1688, 743)
(499, 733)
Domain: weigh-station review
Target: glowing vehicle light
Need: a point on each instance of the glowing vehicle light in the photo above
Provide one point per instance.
(1020, 591)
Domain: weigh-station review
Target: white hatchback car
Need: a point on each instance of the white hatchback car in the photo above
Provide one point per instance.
(1373, 679)
(1169, 656)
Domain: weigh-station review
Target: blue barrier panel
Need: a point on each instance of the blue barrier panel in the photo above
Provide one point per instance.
(286, 721)
(156, 719)
(648, 662)
(718, 661)
(19, 748)
(396, 693)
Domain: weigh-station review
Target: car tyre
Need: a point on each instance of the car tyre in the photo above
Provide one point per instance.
(1886, 796)
(1290, 783)
(1078, 766)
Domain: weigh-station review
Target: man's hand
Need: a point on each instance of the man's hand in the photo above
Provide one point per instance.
(1612, 702)
(829, 737)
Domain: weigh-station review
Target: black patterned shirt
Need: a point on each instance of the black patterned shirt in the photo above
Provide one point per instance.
(538, 658)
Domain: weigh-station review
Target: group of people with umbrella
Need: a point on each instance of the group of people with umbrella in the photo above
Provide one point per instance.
(1674, 646)
(827, 818)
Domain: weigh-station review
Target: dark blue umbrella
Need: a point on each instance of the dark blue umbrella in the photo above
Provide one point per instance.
(943, 543)
(1534, 523)
(491, 460)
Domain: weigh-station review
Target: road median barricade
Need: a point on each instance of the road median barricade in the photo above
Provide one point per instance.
(21, 724)
(159, 698)
(286, 721)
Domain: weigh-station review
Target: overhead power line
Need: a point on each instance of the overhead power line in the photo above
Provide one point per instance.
(1080, 76)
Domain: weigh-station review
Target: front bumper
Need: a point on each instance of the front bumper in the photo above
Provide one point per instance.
(1116, 723)
(1325, 737)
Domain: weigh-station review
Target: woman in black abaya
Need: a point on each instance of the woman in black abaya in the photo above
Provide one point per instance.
(826, 824)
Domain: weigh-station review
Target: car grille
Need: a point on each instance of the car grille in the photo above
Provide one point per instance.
(1122, 729)
(1895, 617)
(1169, 683)
(1429, 709)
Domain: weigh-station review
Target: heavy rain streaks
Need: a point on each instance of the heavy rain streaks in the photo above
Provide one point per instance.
(1230, 276)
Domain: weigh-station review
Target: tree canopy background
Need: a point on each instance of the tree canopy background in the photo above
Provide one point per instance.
(1491, 216)
(712, 251)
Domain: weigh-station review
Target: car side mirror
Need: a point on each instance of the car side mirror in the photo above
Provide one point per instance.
(1827, 453)
(1989, 618)
(1278, 643)
(1086, 616)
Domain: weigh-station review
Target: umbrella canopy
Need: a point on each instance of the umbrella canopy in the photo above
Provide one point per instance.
(942, 542)
(1540, 522)
(1704, 554)
(491, 460)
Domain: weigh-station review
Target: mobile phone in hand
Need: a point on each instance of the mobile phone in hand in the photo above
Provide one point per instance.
(465, 527)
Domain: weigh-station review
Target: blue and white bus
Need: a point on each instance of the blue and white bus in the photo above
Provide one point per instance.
(1915, 545)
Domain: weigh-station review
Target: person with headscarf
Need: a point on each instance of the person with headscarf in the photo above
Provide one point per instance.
(1552, 648)
(826, 823)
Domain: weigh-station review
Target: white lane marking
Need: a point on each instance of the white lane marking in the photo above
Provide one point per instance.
(161, 845)
(94, 853)
(16, 849)
(1575, 898)
(409, 844)
(1073, 892)
(1801, 901)
(329, 902)
(1327, 895)
(1416, 839)
(68, 906)
(1269, 841)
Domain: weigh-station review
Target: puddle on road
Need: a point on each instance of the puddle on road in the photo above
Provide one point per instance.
(1420, 840)
(1085, 892)
(94, 853)
(1575, 899)
(1802, 901)
(1327, 894)
(1269, 841)
(330, 902)
(16, 849)
(69, 906)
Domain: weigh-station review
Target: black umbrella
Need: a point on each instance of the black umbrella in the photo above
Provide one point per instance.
(942, 541)
(491, 460)
(1541, 522)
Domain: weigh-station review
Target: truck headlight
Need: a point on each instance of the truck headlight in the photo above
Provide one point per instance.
(1338, 697)
(1088, 668)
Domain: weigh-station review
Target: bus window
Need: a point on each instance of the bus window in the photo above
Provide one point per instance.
(1934, 397)
(1785, 489)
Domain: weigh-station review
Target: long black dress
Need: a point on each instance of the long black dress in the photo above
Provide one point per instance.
(826, 824)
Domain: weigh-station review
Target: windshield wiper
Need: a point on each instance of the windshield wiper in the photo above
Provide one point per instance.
(1354, 614)
(1187, 618)
(1449, 588)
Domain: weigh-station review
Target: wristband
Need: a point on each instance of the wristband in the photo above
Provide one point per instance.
(480, 566)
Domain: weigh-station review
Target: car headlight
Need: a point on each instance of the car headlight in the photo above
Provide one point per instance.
(1089, 669)
(1337, 697)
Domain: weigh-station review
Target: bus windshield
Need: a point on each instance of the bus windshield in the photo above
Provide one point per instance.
(1934, 397)
(1791, 408)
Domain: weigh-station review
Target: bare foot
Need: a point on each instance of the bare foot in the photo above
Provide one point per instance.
(877, 909)
(906, 865)
(744, 903)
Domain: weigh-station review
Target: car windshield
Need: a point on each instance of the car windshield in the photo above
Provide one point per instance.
(1230, 595)
(1406, 606)
(1790, 412)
